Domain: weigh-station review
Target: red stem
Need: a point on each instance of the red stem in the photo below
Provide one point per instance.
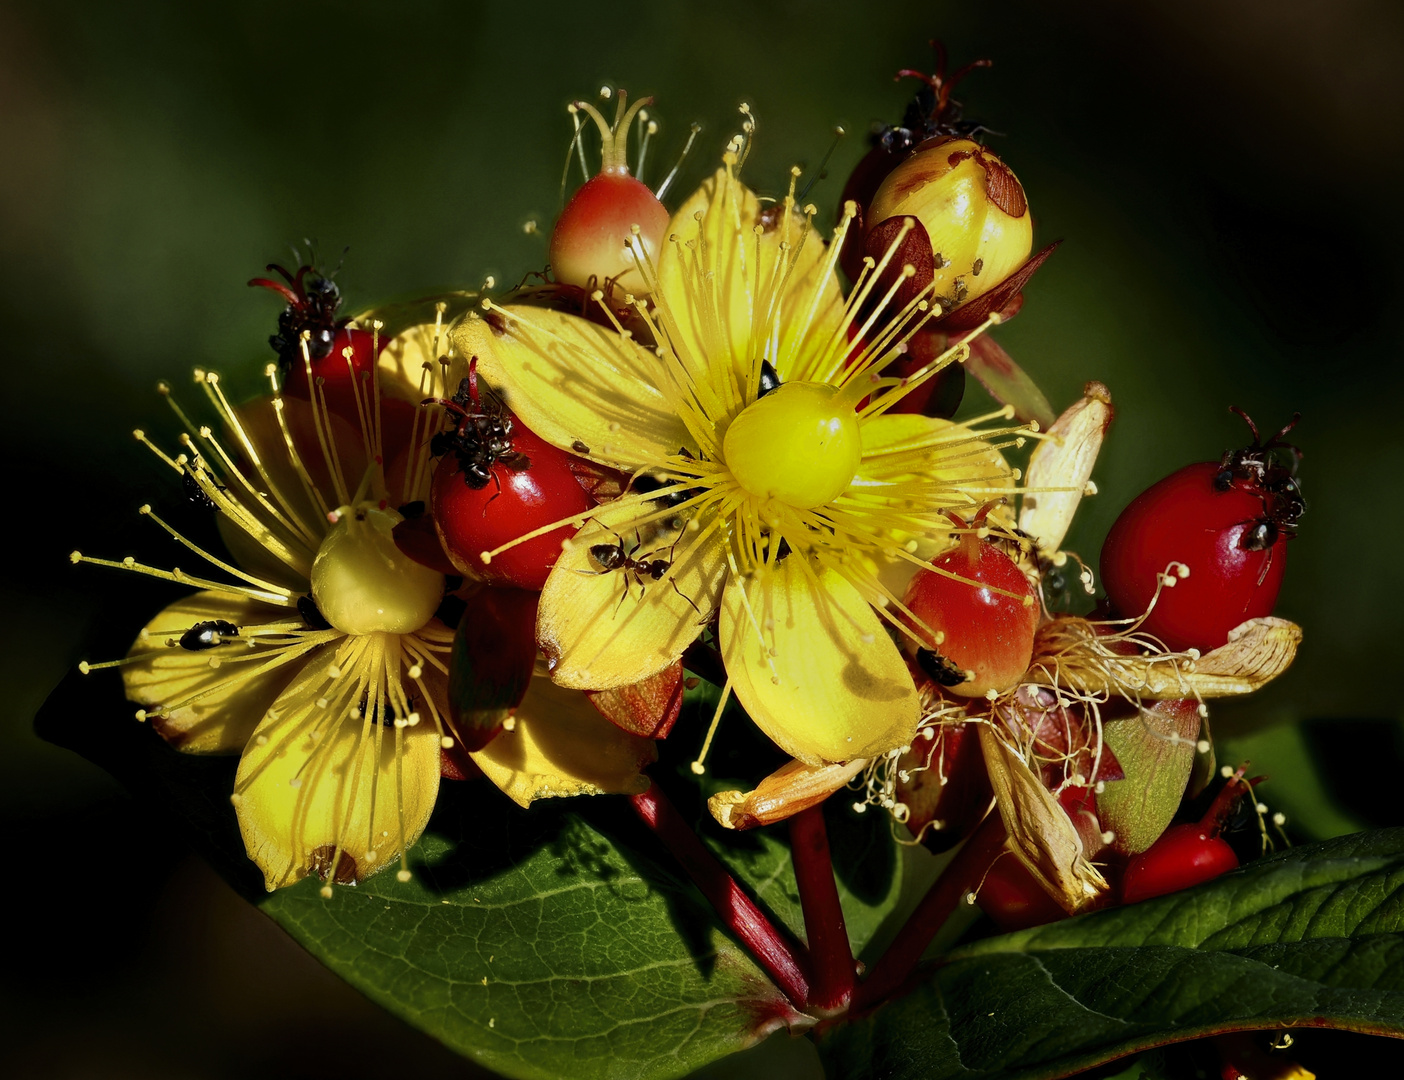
(964, 873)
(782, 959)
(830, 954)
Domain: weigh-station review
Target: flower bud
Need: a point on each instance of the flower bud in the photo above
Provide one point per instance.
(972, 208)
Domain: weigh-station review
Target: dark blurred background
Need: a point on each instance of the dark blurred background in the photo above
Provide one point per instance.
(1226, 176)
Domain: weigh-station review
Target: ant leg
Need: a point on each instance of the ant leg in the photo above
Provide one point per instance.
(625, 594)
(496, 480)
(684, 595)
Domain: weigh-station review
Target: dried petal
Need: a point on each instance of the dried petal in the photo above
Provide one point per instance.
(1062, 465)
(791, 788)
(1041, 836)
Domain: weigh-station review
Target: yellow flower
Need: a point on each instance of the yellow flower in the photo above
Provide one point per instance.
(319, 654)
(791, 505)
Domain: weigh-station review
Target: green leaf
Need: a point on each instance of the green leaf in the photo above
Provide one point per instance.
(556, 941)
(1312, 936)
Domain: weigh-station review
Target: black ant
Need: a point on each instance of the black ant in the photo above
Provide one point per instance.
(483, 436)
(612, 557)
(1256, 468)
(669, 492)
(932, 112)
(313, 302)
(208, 635)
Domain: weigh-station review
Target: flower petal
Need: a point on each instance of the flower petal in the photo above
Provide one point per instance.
(1257, 652)
(576, 384)
(815, 669)
(601, 629)
(226, 700)
(560, 745)
(326, 792)
(728, 293)
(1063, 463)
(900, 446)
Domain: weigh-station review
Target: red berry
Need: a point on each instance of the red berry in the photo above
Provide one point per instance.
(1184, 855)
(313, 303)
(981, 610)
(1013, 899)
(592, 241)
(531, 487)
(1228, 523)
(499, 480)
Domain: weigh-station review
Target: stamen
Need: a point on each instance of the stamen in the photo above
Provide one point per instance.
(698, 768)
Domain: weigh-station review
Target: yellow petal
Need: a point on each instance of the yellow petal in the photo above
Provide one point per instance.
(728, 294)
(559, 744)
(901, 446)
(1063, 464)
(314, 781)
(576, 384)
(1041, 835)
(408, 367)
(793, 787)
(810, 661)
(594, 634)
(228, 688)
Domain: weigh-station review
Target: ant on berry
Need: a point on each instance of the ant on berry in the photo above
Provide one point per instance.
(483, 436)
(313, 302)
(932, 112)
(1256, 468)
(612, 557)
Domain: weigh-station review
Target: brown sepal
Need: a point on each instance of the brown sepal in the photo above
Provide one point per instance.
(1003, 298)
(648, 708)
(947, 789)
(600, 482)
(916, 249)
(417, 538)
(490, 668)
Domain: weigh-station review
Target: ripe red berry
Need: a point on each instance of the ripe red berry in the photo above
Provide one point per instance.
(1013, 899)
(498, 480)
(594, 241)
(981, 614)
(313, 303)
(1226, 524)
(1187, 855)
(1184, 855)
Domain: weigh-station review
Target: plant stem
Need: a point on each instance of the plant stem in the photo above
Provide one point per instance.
(965, 872)
(830, 955)
(783, 959)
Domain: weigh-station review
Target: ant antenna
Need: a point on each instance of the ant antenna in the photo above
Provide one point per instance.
(940, 83)
(820, 174)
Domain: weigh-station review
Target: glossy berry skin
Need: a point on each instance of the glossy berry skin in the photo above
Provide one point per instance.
(984, 638)
(515, 500)
(1218, 534)
(590, 244)
(339, 379)
(1011, 897)
(1185, 855)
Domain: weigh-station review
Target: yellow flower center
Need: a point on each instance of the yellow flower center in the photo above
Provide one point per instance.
(363, 584)
(799, 444)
